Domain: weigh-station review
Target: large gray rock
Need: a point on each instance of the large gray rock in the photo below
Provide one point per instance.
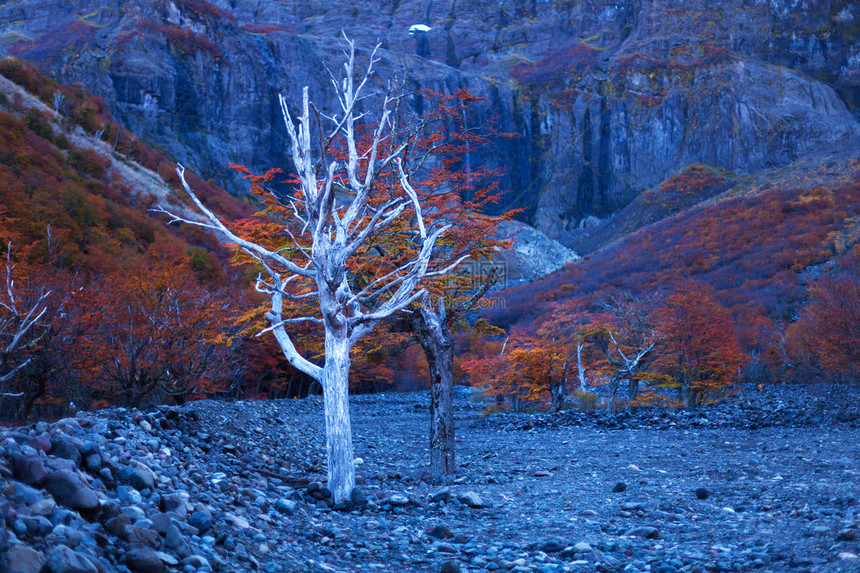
(532, 254)
(65, 447)
(142, 478)
(69, 489)
(471, 499)
(175, 503)
(143, 560)
(23, 494)
(29, 469)
(202, 520)
(22, 559)
(62, 559)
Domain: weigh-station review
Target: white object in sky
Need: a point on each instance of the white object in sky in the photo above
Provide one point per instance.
(419, 28)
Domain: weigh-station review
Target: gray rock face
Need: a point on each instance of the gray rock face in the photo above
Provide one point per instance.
(532, 253)
(608, 98)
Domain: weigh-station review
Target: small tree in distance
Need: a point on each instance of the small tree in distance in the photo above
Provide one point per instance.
(325, 234)
(629, 337)
(19, 323)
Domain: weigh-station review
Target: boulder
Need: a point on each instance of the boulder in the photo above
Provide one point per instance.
(69, 489)
(64, 447)
(471, 499)
(143, 560)
(203, 520)
(62, 559)
(29, 469)
(22, 559)
(141, 479)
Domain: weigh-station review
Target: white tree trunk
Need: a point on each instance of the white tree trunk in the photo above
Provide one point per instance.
(580, 367)
(341, 466)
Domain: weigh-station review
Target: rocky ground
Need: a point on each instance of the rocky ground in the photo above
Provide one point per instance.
(769, 481)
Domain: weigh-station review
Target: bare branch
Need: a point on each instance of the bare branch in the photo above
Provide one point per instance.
(217, 225)
(386, 215)
(296, 320)
(289, 349)
(407, 186)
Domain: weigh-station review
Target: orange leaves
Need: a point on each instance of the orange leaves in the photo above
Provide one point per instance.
(164, 336)
(826, 337)
(700, 351)
(525, 370)
(684, 342)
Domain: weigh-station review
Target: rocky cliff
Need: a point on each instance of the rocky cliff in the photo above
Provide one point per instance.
(607, 98)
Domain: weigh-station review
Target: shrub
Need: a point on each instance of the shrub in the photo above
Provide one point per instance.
(72, 39)
(188, 42)
(552, 71)
(203, 9)
(584, 400)
(264, 29)
(88, 162)
(37, 124)
(62, 141)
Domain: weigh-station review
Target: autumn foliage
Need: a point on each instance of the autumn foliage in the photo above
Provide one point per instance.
(681, 347)
(701, 355)
(133, 312)
(825, 340)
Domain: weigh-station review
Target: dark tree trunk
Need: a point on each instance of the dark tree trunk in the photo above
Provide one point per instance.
(632, 392)
(434, 336)
(557, 394)
(613, 389)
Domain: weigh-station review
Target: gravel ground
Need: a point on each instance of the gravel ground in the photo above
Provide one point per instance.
(769, 481)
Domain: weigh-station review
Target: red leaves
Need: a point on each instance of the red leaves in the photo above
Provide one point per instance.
(700, 350)
(685, 342)
(264, 29)
(186, 41)
(91, 242)
(750, 246)
(557, 68)
(165, 335)
(826, 337)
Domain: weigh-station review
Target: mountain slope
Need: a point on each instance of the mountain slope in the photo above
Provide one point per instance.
(90, 195)
(127, 309)
(757, 244)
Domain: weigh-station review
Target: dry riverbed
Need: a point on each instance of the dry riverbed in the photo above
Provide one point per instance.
(769, 482)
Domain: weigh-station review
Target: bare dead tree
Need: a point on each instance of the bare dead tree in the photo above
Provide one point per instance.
(330, 235)
(631, 344)
(58, 100)
(16, 323)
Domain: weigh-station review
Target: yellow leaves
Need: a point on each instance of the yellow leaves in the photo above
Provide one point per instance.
(483, 327)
